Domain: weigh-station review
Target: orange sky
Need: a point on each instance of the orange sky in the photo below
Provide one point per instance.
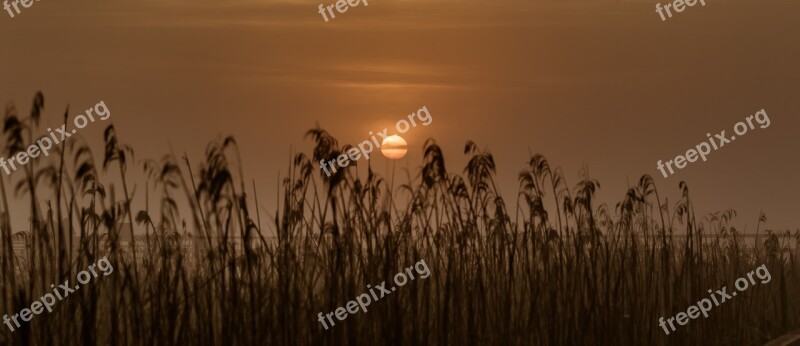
(601, 83)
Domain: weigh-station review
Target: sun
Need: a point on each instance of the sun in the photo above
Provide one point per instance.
(394, 147)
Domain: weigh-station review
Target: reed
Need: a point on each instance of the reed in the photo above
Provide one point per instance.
(581, 274)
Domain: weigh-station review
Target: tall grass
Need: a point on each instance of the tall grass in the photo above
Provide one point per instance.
(577, 275)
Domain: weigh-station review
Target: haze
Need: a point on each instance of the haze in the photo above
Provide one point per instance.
(604, 84)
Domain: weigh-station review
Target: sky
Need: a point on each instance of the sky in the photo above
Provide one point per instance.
(600, 84)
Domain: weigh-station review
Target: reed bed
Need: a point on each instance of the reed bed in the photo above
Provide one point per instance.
(555, 269)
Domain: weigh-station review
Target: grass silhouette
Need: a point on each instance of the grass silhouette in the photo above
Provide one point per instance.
(498, 277)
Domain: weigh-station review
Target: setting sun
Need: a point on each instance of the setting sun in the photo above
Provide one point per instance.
(394, 147)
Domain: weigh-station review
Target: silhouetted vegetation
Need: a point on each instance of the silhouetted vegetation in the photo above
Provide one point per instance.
(579, 273)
